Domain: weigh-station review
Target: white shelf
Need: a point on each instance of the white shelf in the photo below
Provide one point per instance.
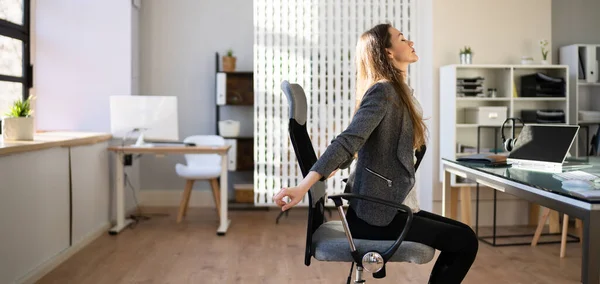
(584, 95)
(580, 83)
(481, 66)
(539, 66)
(476, 99)
(547, 99)
(506, 79)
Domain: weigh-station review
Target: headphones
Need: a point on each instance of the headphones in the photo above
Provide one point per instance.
(509, 144)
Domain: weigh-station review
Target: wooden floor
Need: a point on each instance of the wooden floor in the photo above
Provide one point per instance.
(255, 250)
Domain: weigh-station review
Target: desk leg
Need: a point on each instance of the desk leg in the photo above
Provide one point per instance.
(223, 222)
(465, 205)
(122, 223)
(590, 268)
(446, 196)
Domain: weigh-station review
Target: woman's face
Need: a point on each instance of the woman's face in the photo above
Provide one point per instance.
(402, 52)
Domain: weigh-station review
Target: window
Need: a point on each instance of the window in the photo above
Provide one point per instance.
(15, 66)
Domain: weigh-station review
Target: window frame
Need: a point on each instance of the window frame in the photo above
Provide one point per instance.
(22, 33)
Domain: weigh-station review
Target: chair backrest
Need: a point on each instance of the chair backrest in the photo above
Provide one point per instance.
(204, 159)
(307, 157)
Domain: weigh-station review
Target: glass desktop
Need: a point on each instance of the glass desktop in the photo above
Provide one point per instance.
(546, 180)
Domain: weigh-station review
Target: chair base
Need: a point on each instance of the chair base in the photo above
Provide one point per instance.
(358, 279)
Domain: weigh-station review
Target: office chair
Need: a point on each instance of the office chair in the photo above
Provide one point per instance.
(200, 167)
(332, 241)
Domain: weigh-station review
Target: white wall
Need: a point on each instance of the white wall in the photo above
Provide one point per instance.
(178, 42)
(83, 52)
(574, 22)
(499, 32)
(424, 91)
(83, 55)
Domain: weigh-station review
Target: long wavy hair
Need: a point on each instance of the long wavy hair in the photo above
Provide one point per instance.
(373, 65)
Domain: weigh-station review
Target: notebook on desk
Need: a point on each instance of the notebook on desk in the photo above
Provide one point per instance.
(483, 159)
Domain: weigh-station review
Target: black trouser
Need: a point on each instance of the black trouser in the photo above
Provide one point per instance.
(456, 241)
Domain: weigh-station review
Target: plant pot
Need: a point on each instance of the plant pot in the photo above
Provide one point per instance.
(229, 63)
(545, 62)
(465, 58)
(17, 128)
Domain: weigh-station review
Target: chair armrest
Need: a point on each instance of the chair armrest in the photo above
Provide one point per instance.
(337, 199)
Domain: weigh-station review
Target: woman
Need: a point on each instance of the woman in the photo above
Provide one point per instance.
(386, 129)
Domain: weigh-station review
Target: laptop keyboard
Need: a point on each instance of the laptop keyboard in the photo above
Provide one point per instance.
(577, 175)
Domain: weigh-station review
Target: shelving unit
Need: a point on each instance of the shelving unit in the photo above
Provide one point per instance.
(582, 60)
(456, 130)
(235, 92)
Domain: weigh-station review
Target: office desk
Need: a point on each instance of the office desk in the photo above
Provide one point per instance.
(121, 151)
(543, 189)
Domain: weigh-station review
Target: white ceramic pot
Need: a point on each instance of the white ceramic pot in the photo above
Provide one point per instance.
(17, 128)
(229, 128)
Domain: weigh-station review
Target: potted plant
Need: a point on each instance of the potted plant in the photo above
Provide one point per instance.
(229, 62)
(18, 122)
(466, 55)
(543, 45)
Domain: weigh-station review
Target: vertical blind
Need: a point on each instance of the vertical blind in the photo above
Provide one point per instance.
(311, 43)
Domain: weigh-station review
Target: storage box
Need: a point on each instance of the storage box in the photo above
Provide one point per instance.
(486, 115)
(244, 193)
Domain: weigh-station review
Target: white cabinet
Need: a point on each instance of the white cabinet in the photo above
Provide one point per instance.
(459, 132)
(90, 181)
(34, 210)
(52, 202)
(582, 60)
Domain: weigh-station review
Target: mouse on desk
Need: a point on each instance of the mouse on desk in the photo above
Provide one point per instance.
(190, 144)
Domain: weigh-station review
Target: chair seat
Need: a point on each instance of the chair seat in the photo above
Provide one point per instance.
(197, 172)
(330, 244)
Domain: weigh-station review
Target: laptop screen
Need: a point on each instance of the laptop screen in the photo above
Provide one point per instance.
(544, 143)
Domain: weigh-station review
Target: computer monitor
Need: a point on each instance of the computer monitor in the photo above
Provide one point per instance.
(543, 145)
(149, 118)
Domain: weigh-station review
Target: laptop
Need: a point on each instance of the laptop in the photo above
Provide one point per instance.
(543, 147)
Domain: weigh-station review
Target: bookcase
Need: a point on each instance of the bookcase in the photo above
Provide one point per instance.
(582, 60)
(234, 96)
(461, 132)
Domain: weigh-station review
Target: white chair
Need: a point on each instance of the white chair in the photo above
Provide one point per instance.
(200, 167)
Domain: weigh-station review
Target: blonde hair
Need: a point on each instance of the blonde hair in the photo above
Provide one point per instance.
(373, 65)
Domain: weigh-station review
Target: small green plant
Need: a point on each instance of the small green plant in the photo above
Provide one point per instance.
(230, 53)
(20, 108)
(543, 45)
(466, 50)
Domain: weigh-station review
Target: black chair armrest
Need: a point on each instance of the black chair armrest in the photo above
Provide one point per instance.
(337, 199)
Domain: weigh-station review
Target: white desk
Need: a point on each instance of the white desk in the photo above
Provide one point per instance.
(121, 151)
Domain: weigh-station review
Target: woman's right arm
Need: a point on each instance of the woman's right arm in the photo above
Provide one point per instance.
(296, 193)
(368, 116)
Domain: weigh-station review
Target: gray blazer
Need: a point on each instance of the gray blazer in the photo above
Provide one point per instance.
(382, 134)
